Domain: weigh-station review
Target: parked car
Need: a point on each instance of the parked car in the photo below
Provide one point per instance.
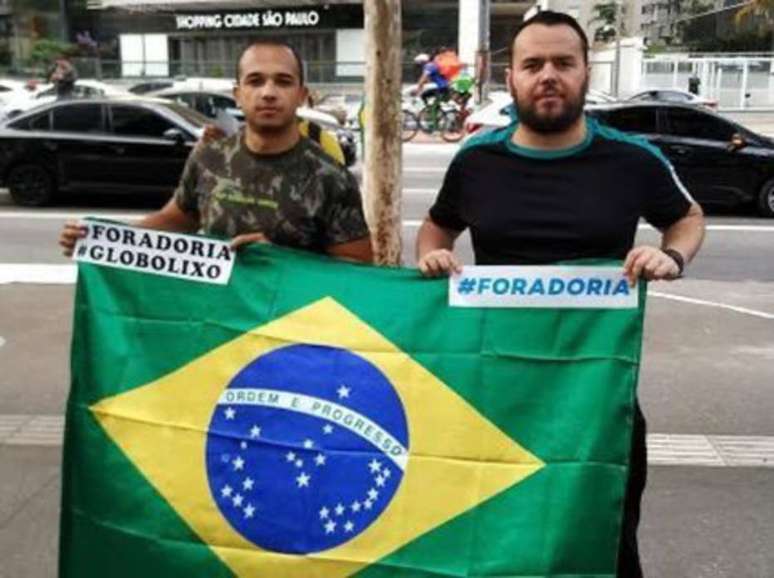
(501, 111)
(210, 103)
(46, 93)
(104, 145)
(673, 95)
(192, 83)
(720, 161)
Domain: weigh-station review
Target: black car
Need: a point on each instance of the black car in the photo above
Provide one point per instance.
(719, 161)
(103, 145)
(211, 103)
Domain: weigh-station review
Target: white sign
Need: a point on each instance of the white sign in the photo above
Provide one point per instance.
(257, 19)
(155, 252)
(542, 287)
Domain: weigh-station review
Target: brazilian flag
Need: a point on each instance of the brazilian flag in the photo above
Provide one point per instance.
(320, 419)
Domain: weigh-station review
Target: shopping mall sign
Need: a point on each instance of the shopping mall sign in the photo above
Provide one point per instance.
(256, 19)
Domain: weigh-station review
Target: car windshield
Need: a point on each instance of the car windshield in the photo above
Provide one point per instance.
(196, 119)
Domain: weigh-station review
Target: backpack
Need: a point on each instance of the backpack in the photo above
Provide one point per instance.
(448, 64)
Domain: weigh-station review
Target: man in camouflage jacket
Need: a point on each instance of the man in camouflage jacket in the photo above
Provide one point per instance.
(266, 183)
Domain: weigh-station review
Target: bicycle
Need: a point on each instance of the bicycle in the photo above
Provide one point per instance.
(446, 116)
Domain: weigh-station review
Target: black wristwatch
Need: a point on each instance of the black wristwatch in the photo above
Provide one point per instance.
(677, 258)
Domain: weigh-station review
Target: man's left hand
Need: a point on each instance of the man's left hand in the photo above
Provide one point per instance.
(651, 263)
(248, 238)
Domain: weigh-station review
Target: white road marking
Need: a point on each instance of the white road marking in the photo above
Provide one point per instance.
(39, 274)
(663, 449)
(715, 304)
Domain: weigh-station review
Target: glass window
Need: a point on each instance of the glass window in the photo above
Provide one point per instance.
(637, 120)
(137, 121)
(78, 118)
(37, 122)
(690, 123)
(40, 122)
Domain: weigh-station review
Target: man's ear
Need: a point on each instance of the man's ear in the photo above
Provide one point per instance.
(303, 95)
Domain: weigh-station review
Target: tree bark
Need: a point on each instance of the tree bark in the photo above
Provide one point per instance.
(382, 163)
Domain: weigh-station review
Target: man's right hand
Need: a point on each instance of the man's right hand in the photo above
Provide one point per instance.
(439, 262)
(70, 234)
(212, 133)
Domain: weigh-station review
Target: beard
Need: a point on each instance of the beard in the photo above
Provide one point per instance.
(553, 122)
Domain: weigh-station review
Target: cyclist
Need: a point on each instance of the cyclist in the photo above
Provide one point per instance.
(431, 73)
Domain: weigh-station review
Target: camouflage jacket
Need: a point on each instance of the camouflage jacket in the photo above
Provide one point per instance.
(300, 198)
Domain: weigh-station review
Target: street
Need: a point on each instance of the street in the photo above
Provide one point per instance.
(706, 386)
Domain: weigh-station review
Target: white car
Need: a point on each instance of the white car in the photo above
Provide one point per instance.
(673, 95)
(46, 93)
(183, 83)
(501, 112)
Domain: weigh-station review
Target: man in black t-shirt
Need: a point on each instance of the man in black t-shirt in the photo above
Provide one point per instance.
(557, 186)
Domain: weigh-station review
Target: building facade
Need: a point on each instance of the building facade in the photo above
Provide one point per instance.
(174, 37)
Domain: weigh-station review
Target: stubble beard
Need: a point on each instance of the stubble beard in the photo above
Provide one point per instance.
(572, 110)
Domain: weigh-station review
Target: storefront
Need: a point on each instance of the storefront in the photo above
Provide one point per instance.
(208, 42)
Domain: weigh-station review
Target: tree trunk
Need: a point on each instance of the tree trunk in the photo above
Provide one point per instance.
(382, 163)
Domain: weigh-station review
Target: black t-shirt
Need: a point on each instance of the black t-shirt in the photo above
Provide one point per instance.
(525, 206)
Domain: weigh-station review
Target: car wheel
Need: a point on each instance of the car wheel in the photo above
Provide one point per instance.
(30, 185)
(766, 200)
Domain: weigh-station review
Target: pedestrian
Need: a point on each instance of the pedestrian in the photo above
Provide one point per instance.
(694, 82)
(63, 76)
(558, 186)
(265, 183)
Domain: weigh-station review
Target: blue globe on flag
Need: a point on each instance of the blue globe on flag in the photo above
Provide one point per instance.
(306, 448)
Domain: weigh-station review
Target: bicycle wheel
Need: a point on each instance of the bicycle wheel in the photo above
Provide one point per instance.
(452, 126)
(428, 119)
(409, 125)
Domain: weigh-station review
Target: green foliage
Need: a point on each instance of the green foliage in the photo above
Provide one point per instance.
(605, 14)
(45, 50)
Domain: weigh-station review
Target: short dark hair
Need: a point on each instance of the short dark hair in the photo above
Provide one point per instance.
(551, 18)
(276, 43)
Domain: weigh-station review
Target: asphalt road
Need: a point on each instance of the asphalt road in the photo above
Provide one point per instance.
(707, 385)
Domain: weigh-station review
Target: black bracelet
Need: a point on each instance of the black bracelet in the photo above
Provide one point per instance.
(677, 258)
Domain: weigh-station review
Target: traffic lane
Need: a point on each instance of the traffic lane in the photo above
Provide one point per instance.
(36, 326)
(740, 254)
(705, 369)
(708, 523)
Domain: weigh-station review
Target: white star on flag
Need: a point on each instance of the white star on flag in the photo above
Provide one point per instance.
(290, 456)
(386, 473)
(327, 429)
(330, 527)
(299, 463)
(303, 480)
(375, 466)
(226, 491)
(255, 432)
(243, 445)
(238, 500)
(349, 526)
(308, 444)
(367, 504)
(238, 463)
(340, 509)
(355, 507)
(249, 511)
(248, 484)
(380, 481)
(372, 494)
(343, 391)
(324, 513)
(230, 413)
